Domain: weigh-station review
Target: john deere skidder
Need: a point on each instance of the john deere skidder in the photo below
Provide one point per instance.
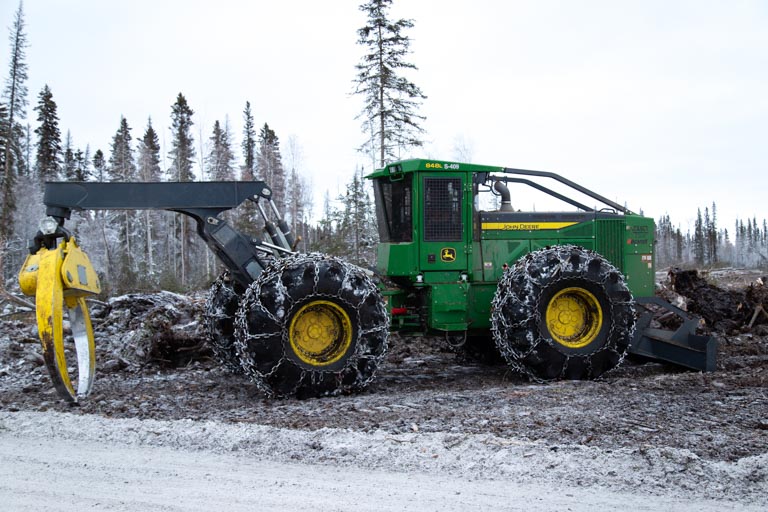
(564, 294)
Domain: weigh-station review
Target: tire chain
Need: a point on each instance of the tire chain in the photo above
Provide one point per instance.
(220, 323)
(252, 299)
(526, 275)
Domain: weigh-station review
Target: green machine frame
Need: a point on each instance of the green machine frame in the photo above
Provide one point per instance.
(443, 255)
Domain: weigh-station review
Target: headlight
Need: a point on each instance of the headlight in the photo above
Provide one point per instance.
(48, 226)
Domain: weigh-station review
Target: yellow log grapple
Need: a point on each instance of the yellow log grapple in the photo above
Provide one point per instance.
(60, 278)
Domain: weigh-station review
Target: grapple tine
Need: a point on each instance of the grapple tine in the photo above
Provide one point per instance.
(82, 332)
(49, 304)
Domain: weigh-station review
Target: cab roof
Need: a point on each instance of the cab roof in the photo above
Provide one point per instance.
(421, 164)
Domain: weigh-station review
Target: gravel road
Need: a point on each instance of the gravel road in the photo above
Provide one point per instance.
(58, 461)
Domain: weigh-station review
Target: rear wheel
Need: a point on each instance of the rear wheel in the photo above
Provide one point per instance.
(219, 317)
(563, 312)
(311, 325)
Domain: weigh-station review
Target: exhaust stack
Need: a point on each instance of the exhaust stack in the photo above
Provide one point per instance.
(506, 197)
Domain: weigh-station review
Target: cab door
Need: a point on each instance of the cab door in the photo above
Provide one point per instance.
(443, 240)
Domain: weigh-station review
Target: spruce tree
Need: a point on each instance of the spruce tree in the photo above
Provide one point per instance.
(329, 239)
(183, 157)
(99, 166)
(361, 218)
(269, 163)
(82, 167)
(705, 230)
(698, 240)
(678, 245)
(300, 204)
(246, 217)
(15, 95)
(663, 240)
(48, 152)
(149, 171)
(765, 231)
(755, 236)
(182, 144)
(122, 165)
(122, 168)
(248, 172)
(739, 233)
(69, 158)
(391, 101)
(220, 160)
(149, 155)
(712, 236)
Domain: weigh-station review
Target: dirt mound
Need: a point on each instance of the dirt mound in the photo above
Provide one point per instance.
(161, 329)
(725, 310)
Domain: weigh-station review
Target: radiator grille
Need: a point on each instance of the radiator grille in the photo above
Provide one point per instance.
(609, 240)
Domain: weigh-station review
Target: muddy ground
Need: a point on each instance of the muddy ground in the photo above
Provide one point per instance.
(425, 388)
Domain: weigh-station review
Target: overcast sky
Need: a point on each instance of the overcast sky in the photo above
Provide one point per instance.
(657, 104)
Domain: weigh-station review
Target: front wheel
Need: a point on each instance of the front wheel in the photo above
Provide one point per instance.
(563, 312)
(311, 325)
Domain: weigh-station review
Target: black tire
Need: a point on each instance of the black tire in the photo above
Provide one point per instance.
(311, 325)
(219, 318)
(563, 312)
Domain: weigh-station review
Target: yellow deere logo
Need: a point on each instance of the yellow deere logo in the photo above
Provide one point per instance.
(448, 254)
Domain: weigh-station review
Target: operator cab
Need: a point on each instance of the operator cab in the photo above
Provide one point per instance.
(424, 221)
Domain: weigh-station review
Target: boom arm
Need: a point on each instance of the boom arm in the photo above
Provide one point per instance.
(203, 201)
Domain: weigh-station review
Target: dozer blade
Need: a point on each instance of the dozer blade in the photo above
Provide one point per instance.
(681, 347)
(61, 278)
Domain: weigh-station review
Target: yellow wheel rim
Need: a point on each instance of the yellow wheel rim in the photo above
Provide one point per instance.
(320, 333)
(574, 317)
